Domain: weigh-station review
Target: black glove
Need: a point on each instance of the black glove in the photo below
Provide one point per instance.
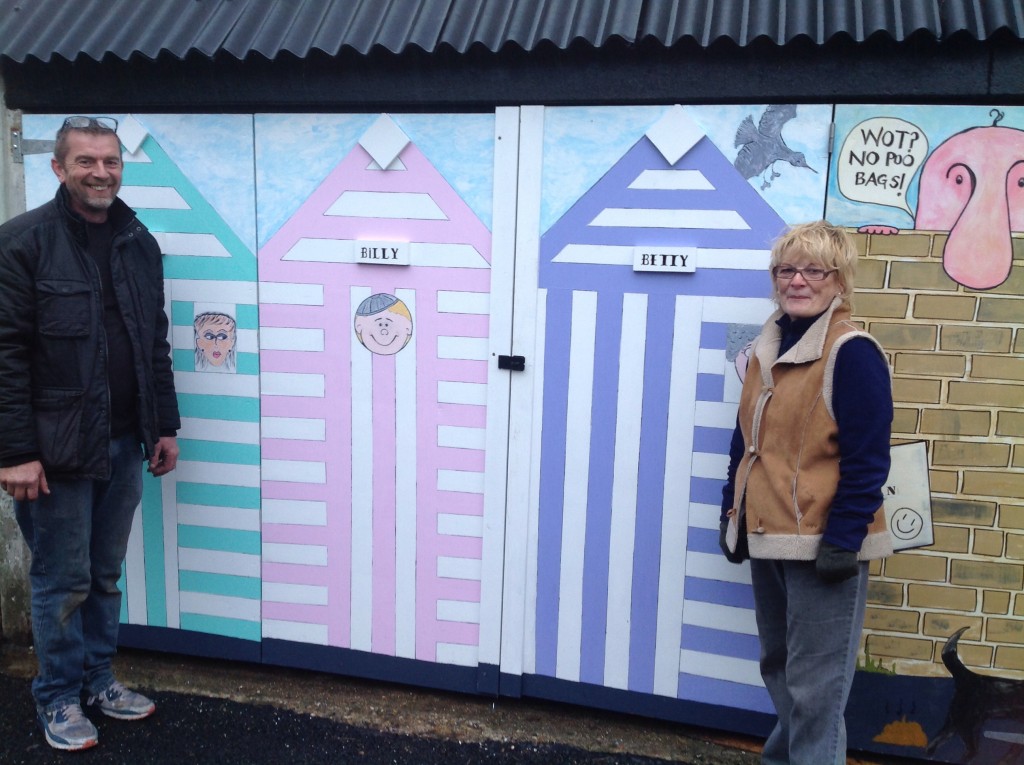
(741, 544)
(835, 564)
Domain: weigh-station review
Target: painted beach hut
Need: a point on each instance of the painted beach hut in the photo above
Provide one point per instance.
(374, 346)
(643, 282)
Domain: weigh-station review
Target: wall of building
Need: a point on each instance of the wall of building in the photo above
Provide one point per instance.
(958, 385)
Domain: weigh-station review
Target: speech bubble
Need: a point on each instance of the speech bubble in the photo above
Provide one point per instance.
(879, 158)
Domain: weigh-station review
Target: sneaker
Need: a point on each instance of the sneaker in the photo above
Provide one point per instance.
(117, 701)
(65, 727)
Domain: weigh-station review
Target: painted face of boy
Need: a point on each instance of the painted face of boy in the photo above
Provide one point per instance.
(385, 332)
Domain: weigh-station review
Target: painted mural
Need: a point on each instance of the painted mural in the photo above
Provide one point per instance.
(368, 486)
(374, 432)
(935, 196)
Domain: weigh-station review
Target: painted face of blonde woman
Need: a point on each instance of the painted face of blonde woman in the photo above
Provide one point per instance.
(215, 338)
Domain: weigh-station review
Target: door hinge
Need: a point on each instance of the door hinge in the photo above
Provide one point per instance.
(22, 146)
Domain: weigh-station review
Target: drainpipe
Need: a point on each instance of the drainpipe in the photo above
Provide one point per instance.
(15, 619)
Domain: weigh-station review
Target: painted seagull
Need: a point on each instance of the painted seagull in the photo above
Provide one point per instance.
(763, 146)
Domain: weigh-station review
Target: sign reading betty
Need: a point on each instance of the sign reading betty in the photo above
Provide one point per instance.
(665, 259)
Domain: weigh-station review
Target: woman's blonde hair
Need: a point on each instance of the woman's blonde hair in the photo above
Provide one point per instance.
(827, 245)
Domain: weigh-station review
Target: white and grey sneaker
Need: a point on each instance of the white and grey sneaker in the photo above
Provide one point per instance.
(120, 703)
(66, 727)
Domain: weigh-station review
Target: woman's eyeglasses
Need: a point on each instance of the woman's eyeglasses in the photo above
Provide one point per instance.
(810, 273)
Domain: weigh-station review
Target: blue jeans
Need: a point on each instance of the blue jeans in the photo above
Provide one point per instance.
(78, 537)
(810, 634)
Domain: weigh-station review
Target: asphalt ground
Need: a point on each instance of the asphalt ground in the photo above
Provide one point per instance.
(225, 713)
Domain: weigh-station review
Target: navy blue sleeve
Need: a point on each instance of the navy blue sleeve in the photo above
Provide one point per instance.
(862, 402)
(735, 455)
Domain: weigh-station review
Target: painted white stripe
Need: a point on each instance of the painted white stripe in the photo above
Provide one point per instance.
(715, 566)
(711, 361)
(172, 556)
(460, 480)
(222, 431)
(461, 393)
(292, 384)
(738, 310)
(628, 409)
(711, 414)
(468, 348)
(478, 303)
(420, 253)
(454, 525)
(458, 437)
(725, 618)
(447, 256)
(213, 291)
(306, 555)
(135, 572)
(583, 326)
(218, 474)
(291, 339)
(672, 180)
(736, 260)
(674, 528)
(294, 471)
(208, 604)
(707, 465)
(235, 518)
(361, 554)
(463, 611)
(704, 516)
(294, 428)
(744, 671)
(218, 562)
(194, 245)
(457, 654)
(386, 204)
(281, 293)
(620, 255)
(695, 219)
(297, 632)
(298, 512)
(459, 568)
(406, 506)
(300, 594)
(153, 198)
(533, 518)
(217, 384)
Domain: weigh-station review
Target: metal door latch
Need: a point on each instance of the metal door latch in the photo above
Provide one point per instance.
(512, 363)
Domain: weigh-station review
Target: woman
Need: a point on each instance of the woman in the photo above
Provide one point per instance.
(803, 497)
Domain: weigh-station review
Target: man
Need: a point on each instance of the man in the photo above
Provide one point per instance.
(85, 381)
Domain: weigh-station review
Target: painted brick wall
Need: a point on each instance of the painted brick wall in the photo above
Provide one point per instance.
(958, 382)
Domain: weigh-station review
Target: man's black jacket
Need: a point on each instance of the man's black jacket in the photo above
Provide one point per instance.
(54, 397)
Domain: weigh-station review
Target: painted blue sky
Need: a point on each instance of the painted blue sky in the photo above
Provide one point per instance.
(582, 143)
(218, 153)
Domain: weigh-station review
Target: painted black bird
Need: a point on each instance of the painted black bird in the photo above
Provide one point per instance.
(763, 146)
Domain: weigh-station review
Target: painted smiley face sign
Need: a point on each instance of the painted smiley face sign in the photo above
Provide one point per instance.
(906, 524)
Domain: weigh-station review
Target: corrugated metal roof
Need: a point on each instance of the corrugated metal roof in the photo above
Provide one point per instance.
(46, 29)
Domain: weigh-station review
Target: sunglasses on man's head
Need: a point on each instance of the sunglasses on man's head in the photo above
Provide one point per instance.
(80, 122)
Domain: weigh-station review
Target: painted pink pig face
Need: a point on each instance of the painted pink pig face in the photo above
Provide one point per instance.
(972, 185)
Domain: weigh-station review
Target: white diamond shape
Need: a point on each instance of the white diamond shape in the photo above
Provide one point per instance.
(674, 134)
(384, 141)
(131, 133)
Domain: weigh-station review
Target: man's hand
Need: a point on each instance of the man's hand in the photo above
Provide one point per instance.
(165, 456)
(24, 482)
